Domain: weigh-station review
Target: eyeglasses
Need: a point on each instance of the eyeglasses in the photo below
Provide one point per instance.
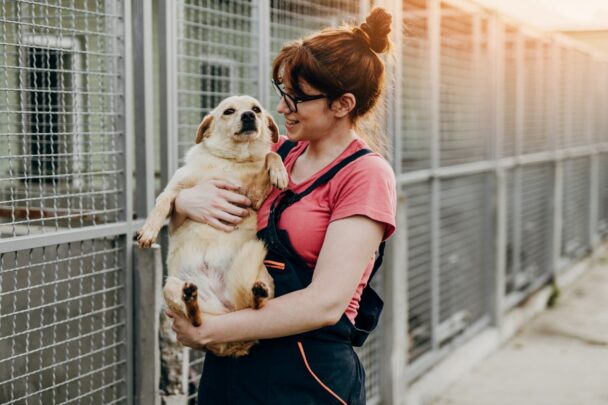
(292, 101)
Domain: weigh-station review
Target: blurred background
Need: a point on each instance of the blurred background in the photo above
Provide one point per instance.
(497, 117)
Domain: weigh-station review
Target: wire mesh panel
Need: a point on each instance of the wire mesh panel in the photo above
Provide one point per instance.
(463, 69)
(464, 254)
(510, 92)
(580, 72)
(600, 102)
(416, 86)
(419, 270)
(563, 117)
(602, 224)
(576, 208)
(218, 47)
(60, 100)
(534, 108)
(511, 258)
(62, 324)
(536, 219)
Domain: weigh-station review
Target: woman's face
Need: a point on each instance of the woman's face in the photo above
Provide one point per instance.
(313, 120)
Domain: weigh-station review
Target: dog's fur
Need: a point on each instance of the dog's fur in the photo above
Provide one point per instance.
(212, 272)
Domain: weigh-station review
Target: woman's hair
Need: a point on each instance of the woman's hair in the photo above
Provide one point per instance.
(341, 60)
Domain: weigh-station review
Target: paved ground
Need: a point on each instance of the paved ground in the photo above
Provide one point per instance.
(560, 358)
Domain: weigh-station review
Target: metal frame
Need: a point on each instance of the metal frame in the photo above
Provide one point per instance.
(486, 38)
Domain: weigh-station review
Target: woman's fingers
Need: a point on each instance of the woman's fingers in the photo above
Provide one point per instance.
(217, 224)
(235, 198)
(234, 210)
(228, 218)
(226, 185)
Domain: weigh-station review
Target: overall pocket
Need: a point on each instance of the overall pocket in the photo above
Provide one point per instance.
(331, 369)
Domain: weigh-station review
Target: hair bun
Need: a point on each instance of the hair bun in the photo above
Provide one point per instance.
(375, 30)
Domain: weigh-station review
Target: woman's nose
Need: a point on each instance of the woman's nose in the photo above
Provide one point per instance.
(282, 106)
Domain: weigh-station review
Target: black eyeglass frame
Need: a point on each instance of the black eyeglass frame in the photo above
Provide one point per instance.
(293, 99)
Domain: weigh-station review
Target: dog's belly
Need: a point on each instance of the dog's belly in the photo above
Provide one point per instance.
(202, 255)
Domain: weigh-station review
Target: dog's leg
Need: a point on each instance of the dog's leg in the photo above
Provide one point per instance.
(273, 174)
(149, 231)
(276, 171)
(190, 297)
(243, 278)
(262, 288)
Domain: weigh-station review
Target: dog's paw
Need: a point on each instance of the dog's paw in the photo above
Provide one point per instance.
(145, 237)
(189, 292)
(278, 176)
(189, 296)
(260, 294)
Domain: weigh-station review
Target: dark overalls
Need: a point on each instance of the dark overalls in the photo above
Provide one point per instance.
(316, 367)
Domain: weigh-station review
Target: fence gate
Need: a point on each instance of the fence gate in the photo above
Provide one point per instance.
(64, 216)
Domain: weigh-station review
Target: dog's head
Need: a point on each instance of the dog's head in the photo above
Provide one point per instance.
(238, 119)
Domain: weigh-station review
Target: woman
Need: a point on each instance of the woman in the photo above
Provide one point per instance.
(322, 233)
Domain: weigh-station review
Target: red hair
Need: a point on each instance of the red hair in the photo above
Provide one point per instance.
(338, 61)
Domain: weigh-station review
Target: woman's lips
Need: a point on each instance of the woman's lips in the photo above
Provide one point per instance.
(289, 124)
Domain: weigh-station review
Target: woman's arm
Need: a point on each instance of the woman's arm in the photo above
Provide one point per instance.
(214, 202)
(348, 247)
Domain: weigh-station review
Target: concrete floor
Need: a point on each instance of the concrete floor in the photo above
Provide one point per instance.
(559, 358)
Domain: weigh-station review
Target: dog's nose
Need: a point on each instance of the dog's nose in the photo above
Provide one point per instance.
(248, 116)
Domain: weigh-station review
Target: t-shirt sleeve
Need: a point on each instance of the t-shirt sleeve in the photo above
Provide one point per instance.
(275, 146)
(366, 188)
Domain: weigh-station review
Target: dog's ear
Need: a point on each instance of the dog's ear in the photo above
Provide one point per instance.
(203, 130)
(274, 130)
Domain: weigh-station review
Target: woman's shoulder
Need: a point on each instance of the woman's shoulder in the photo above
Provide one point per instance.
(371, 164)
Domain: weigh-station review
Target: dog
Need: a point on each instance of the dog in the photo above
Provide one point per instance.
(212, 272)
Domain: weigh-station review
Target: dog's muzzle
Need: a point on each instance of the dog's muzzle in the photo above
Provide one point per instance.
(248, 122)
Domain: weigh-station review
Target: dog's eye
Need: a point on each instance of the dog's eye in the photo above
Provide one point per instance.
(229, 111)
(256, 109)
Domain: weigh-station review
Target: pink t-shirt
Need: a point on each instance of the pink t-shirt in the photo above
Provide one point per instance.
(363, 187)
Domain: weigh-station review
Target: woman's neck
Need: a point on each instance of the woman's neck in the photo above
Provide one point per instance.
(328, 147)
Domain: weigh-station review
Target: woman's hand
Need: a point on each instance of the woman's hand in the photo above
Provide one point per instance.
(214, 202)
(187, 334)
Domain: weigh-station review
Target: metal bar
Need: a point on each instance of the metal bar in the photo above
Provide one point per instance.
(505, 162)
(434, 33)
(395, 330)
(64, 236)
(143, 86)
(496, 42)
(127, 128)
(168, 88)
(264, 52)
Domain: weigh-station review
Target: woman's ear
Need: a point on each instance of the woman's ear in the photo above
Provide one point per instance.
(203, 130)
(343, 105)
(272, 126)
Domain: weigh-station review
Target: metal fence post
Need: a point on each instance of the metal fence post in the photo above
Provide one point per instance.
(395, 345)
(167, 41)
(144, 109)
(147, 277)
(496, 42)
(434, 32)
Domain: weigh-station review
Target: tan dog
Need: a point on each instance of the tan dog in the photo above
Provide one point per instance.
(212, 271)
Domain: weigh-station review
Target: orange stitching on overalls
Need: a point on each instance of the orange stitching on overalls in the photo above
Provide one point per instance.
(317, 378)
(274, 265)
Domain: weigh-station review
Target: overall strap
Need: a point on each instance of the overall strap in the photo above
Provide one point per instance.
(285, 148)
(288, 197)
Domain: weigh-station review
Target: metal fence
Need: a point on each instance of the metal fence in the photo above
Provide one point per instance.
(64, 209)
(500, 150)
(500, 147)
